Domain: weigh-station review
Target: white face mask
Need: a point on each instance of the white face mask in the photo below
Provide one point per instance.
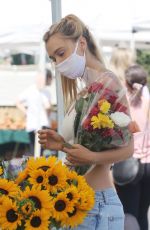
(73, 66)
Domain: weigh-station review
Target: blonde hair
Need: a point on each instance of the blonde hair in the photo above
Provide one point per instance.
(72, 27)
(121, 59)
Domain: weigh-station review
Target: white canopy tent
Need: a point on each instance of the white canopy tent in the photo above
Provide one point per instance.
(22, 23)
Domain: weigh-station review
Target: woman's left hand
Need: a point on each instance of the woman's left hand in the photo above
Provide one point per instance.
(79, 155)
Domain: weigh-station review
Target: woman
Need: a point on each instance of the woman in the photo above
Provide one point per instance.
(121, 58)
(135, 197)
(70, 45)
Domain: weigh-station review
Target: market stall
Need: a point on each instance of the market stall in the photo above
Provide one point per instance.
(14, 140)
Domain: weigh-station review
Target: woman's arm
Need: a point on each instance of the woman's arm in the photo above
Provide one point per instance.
(80, 155)
(114, 155)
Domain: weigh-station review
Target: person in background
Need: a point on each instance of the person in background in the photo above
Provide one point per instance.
(48, 81)
(46, 91)
(34, 104)
(122, 58)
(71, 47)
(136, 197)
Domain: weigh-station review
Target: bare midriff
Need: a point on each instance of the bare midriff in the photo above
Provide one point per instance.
(99, 177)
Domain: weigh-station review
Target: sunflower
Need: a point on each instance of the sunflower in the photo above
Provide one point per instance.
(31, 164)
(1, 171)
(82, 184)
(40, 198)
(26, 207)
(37, 177)
(86, 201)
(74, 218)
(2, 197)
(72, 194)
(41, 163)
(71, 177)
(74, 179)
(56, 178)
(23, 176)
(61, 206)
(38, 221)
(8, 188)
(9, 218)
(86, 194)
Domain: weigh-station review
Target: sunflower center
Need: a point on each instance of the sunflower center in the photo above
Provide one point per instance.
(35, 221)
(39, 179)
(69, 181)
(53, 180)
(60, 205)
(70, 214)
(27, 208)
(36, 201)
(70, 196)
(11, 215)
(44, 168)
(3, 191)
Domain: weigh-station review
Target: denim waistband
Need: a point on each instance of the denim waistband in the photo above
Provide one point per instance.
(105, 195)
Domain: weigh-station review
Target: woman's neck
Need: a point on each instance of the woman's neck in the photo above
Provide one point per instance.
(93, 63)
(93, 69)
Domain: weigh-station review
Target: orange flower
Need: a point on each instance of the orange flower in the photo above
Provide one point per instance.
(134, 127)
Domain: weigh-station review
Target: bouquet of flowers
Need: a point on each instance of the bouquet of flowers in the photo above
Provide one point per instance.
(102, 117)
(44, 195)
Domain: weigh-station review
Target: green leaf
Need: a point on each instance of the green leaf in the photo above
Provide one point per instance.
(79, 105)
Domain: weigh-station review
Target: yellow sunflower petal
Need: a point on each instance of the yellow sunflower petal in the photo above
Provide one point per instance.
(74, 218)
(37, 177)
(38, 221)
(61, 206)
(56, 178)
(22, 176)
(86, 201)
(72, 194)
(40, 198)
(8, 188)
(9, 217)
(41, 163)
(1, 171)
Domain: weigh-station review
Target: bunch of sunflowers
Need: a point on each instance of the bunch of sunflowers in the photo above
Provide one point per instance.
(45, 194)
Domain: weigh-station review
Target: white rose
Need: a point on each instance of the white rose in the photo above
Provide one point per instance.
(120, 119)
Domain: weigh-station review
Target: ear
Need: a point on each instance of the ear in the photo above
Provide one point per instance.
(83, 43)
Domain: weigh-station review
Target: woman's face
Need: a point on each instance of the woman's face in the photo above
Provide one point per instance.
(59, 48)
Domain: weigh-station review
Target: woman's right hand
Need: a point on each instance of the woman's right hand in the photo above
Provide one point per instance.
(50, 139)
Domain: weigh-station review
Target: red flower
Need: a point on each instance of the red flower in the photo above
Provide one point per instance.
(86, 124)
(94, 111)
(108, 133)
(120, 108)
(109, 95)
(95, 87)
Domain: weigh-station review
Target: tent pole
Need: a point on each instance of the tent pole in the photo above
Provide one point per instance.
(56, 16)
(132, 41)
(41, 75)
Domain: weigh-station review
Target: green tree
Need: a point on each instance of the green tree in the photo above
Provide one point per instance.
(143, 58)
